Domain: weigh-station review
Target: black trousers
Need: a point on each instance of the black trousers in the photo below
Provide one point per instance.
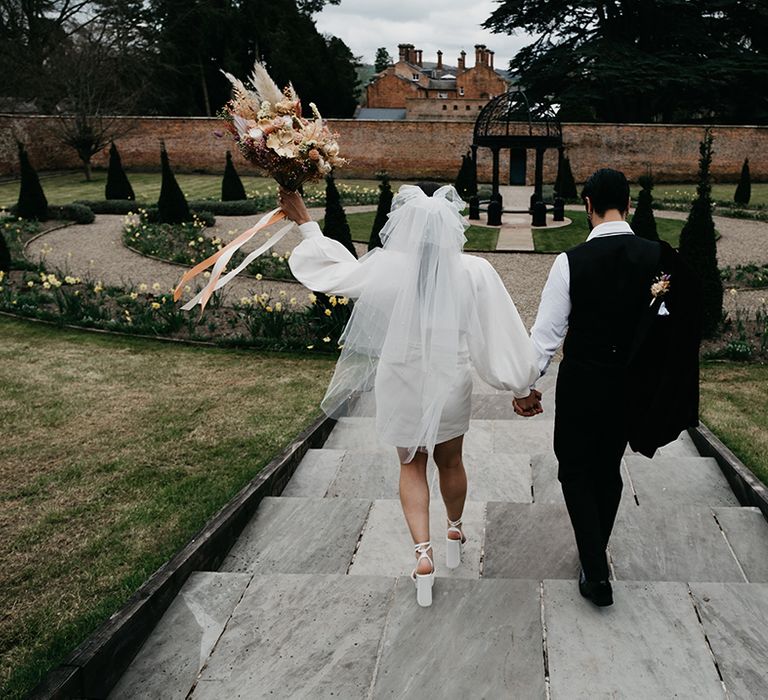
(590, 439)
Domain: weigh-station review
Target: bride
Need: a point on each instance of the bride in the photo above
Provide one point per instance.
(425, 313)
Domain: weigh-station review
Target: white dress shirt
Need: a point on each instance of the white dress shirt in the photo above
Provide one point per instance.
(551, 325)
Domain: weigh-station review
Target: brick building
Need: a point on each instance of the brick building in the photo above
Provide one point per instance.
(413, 89)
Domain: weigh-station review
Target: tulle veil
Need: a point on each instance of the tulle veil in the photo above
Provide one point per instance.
(401, 348)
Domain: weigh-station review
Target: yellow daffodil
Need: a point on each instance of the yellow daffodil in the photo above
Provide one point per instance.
(133, 295)
(278, 306)
(143, 287)
(326, 339)
(155, 305)
(312, 298)
(327, 312)
(258, 276)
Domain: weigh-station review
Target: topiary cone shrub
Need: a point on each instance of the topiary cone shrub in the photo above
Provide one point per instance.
(231, 185)
(643, 221)
(32, 202)
(336, 225)
(118, 186)
(698, 244)
(5, 256)
(565, 185)
(172, 207)
(466, 180)
(744, 189)
(382, 210)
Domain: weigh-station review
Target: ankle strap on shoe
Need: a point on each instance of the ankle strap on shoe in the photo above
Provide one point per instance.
(454, 523)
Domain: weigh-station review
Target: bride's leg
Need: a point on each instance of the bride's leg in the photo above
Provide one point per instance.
(414, 498)
(453, 478)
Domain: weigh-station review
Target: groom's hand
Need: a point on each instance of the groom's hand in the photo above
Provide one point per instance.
(529, 406)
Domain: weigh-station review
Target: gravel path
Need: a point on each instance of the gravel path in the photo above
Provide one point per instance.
(96, 251)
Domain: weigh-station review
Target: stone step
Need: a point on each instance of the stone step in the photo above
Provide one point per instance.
(326, 635)
(666, 480)
(747, 533)
(168, 664)
(299, 535)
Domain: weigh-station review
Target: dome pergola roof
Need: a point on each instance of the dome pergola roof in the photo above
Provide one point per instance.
(511, 121)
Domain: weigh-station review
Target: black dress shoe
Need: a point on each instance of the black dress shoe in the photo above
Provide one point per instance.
(599, 592)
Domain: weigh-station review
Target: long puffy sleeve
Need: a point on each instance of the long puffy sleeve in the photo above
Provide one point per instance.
(501, 351)
(324, 265)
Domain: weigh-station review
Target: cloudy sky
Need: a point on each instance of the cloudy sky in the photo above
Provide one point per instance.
(450, 25)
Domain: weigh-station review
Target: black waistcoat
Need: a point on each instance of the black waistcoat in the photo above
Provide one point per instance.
(610, 290)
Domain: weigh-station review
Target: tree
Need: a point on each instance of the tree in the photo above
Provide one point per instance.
(466, 180)
(118, 186)
(744, 189)
(172, 207)
(382, 210)
(383, 60)
(565, 185)
(32, 202)
(231, 184)
(698, 245)
(643, 221)
(660, 60)
(336, 225)
(5, 256)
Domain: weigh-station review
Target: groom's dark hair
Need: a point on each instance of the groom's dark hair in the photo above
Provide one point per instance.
(606, 189)
(429, 187)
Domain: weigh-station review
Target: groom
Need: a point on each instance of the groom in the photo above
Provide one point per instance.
(595, 299)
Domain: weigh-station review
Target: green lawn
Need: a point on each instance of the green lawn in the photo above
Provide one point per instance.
(734, 405)
(114, 453)
(722, 192)
(65, 187)
(557, 240)
(478, 237)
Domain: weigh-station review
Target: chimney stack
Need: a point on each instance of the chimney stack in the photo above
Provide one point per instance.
(492, 54)
(462, 61)
(478, 54)
(403, 49)
(419, 61)
(439, 60)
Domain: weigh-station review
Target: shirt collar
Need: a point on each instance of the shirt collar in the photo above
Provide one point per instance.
(610, 228)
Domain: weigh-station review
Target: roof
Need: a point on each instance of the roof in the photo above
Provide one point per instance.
(381, 114)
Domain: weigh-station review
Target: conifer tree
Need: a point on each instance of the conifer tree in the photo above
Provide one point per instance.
(118, 185)
(336, 225)
(466, 180)
(382, 210)
(698, 245)
(172, 207)
(231, 185)
(744, 188)
(643, 221)
(5, 255)
(565, 185)
(32, 202)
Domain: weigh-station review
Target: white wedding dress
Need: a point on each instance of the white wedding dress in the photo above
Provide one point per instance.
(426, 313)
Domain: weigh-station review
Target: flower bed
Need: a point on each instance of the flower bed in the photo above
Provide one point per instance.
(185, 244)
(284, 322)
(754, 276)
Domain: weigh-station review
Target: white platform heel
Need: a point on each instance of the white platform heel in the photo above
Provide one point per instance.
(453, 547)
(424, 582)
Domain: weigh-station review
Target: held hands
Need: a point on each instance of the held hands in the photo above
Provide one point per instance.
(293, 206)
(529, 406)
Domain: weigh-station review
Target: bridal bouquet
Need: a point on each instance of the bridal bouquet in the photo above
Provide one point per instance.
(268, 127)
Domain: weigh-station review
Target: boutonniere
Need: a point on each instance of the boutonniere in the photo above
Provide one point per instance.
(660, 286)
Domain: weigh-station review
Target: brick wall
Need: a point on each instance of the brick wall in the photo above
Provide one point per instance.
(413, 149)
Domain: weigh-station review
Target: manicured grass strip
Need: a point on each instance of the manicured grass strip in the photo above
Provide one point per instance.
(720, 192)
(478, 237)
(557, 240)
(734, 405)
(114, 453)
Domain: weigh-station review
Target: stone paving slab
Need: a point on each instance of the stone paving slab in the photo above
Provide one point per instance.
(480, 639)
(682, 447)
(299, 535)
(171, 659)
(747, 532)
(671, 543)
(734, 617)
(495, 477)
(315, 473)
(529, 541)
(386, 550)
(355, 433)
(523, 437)
(366, 474)
(295, 636)
(648, 645)
(679, 481)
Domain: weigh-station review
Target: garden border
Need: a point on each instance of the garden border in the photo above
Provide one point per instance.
(96, 665)
(749, 490)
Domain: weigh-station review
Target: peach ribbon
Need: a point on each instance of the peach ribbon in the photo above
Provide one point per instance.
(220, 259)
